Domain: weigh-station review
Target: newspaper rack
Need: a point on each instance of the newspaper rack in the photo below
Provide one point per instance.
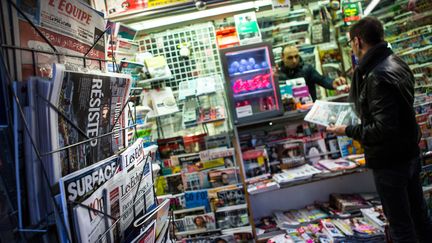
(42, 226)
(117, 220)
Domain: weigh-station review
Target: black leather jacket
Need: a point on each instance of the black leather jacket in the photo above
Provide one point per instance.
(389, 132)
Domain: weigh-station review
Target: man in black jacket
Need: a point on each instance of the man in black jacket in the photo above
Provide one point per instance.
(383, 95)
(292, 66)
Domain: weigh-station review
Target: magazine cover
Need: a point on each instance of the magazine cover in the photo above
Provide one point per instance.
(187, 89)
(132, 68)
(332, 146)
(215, 202)
(174, 184)
(255, 163)
(136, 191)
(171, 146)
(223, 177)
(215, 141)
(197, 198)
(262, 185)
(348, 202)
(325, 113)
(315, 150)
(196, 223)
(349, 146)
(186, 161)
(231, 197)
(216, 153)
(70, 32)
(161, 186)
(232, 216)
(179, 214)
(93, 226)
(298, 173)
(195, 181)
(338, 164)
(81, 185)
(290, 154)
(91, 106)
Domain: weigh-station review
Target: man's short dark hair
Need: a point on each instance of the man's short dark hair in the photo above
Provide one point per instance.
(369, 30)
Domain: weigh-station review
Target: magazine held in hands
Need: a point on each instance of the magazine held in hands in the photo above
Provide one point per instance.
(326, 113)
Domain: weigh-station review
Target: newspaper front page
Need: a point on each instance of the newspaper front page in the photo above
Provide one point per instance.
(326, 113)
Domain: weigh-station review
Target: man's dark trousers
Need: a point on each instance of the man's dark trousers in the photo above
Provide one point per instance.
(401, 194)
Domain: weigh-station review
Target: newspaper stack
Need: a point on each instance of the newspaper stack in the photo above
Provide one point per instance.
(102, 192)
(375, 216)
(299, 173)
(121, 187)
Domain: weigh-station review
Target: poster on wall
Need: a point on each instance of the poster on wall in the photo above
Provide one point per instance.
(247, 28)
(71, 26)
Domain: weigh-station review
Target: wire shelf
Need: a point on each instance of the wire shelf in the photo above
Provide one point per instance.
(203, 60)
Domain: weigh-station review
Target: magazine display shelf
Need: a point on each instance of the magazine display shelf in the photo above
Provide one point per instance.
(299, 193)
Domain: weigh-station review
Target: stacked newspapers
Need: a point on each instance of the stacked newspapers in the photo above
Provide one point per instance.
(63, 114)
(77, 124)
(102, 201)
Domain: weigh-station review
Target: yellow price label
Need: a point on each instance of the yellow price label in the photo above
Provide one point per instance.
(260, 160)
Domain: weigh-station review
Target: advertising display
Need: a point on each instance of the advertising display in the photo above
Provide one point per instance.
(252, 90)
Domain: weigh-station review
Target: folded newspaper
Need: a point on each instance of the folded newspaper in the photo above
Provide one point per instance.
(331, 113)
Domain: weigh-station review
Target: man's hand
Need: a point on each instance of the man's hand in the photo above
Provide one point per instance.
(337, 130)
(340, 84)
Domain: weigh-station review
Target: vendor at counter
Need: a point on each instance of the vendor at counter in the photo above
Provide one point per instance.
(292, 66)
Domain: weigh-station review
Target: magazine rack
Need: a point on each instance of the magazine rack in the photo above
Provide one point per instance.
(41, 227)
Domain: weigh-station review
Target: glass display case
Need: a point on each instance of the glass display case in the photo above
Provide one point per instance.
(252, 90)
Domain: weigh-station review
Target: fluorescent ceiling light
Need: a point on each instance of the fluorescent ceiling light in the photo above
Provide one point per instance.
(196, 15)
(370, 7)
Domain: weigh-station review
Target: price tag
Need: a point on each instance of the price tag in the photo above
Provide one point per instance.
(244, 111)
(260, 160)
